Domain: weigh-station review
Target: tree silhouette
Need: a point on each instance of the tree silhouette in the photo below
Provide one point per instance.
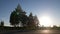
(17, 16)
(31, 23)
(36, 21)
(13, 18)
(24, 20)
(2, 23)
(54, 26)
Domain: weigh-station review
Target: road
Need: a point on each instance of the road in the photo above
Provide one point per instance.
(33, 32)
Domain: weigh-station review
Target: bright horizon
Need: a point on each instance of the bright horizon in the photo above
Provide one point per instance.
(47, 11)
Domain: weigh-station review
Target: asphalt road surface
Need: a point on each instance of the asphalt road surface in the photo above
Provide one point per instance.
(32, 32)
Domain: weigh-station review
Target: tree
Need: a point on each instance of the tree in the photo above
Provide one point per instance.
(13, 18)
(36, 21)
(24, 20)
(31, 23)
(54, 26)
(17, 16)
(2, 23)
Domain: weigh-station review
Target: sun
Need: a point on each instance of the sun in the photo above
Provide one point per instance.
(45, 20)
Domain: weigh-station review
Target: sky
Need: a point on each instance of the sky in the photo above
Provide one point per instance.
(48, 8)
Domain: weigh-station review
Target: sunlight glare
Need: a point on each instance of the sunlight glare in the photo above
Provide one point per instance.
(46, 31)
(45, 20)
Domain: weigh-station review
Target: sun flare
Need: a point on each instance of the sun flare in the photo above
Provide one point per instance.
(45, 20)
